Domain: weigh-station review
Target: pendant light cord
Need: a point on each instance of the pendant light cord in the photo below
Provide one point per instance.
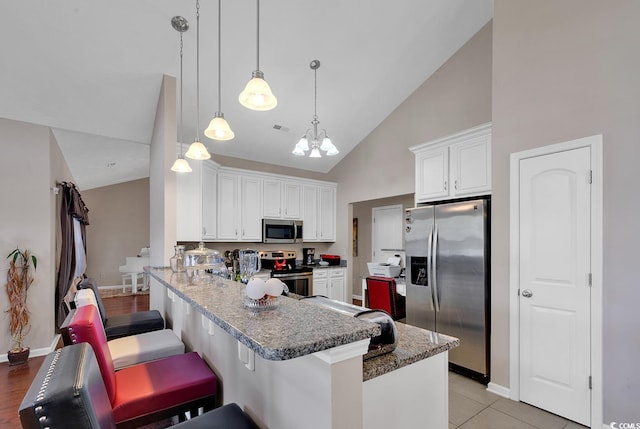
(219, 55)
(197, 70)
(181, 95)
(315, 93)
(258, 35)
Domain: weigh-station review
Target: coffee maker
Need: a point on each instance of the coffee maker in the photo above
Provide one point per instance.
(308, 255)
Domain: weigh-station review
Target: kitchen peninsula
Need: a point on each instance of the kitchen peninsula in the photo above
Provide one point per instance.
(300, 365)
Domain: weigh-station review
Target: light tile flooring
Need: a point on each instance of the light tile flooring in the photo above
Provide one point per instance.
(472, 407)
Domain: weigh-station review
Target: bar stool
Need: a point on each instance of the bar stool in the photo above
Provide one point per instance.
(68, 392)
(150, 391)
(121, 325)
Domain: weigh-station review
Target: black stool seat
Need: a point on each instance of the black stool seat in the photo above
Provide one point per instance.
(228, 416)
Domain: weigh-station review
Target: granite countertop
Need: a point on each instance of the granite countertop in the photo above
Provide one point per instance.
(292, 329)
(414, 344)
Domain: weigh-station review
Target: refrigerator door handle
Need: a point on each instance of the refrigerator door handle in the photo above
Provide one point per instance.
(429, 266)
(434, 269)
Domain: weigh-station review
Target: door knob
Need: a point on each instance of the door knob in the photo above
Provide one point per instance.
(527, 293)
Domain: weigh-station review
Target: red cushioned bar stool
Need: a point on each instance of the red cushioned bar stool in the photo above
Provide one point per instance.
(68, 392)
(149, 391)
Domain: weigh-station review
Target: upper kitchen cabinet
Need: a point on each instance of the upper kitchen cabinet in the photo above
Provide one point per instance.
(239, 207)
(196, 202)
(318, 213)
(281, 199)
(455, 166)
(209, 198)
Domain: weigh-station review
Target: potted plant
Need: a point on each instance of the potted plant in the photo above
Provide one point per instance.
(19, 278)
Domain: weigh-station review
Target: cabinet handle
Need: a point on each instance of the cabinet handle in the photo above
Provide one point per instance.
(455, 184)
(445, 185)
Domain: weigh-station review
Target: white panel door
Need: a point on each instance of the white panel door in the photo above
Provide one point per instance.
(387, 232)
(555, 240)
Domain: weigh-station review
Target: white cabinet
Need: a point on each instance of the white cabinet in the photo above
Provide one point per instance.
(239, 207)
(189, 204)
(209, 199)
(281, 199)
(455, 166)
(228, 206)
(321, 281)
(330, 282)
(337, 280)
(196, 202)
(319, 213)
(251, 208)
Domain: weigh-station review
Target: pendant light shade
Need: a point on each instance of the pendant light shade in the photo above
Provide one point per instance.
(219, 128)
(257, 95)
(180, 165)
(197, 150)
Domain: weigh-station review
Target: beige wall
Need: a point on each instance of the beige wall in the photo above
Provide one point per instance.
(119, 227)
(564, 70)
(456, 97)
(29, 167)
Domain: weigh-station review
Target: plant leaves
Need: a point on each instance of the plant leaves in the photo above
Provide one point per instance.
(35, 262)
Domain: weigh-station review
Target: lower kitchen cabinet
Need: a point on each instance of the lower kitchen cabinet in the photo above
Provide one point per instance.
(330, 282)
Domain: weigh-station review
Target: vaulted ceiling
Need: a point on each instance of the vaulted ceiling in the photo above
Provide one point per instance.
(91, 70)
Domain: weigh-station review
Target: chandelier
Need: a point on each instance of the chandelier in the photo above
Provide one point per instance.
(312, 139)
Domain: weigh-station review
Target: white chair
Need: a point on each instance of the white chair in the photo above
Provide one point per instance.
(134, 270)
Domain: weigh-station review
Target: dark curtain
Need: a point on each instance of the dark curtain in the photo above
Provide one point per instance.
(71, 207)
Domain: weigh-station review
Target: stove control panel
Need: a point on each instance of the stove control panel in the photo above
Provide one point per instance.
(278, 254)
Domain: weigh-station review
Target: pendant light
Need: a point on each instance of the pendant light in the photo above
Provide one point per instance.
(219, 128)
(319, 140)
(197, 150)
(180, 165)
(257, 94)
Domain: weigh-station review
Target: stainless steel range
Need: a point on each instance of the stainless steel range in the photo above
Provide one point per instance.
(282, 263)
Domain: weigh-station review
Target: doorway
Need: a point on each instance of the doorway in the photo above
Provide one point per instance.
(555, 279)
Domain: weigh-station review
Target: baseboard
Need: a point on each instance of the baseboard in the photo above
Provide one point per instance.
(499, 390)
(358, 297)
(112, 287)
(37, 352)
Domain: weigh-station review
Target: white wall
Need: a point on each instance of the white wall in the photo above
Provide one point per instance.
(564, 70)
(29, 167)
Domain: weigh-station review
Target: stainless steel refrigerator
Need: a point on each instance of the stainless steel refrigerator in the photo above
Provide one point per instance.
(447, 263)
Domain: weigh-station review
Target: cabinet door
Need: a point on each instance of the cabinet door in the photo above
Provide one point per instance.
(189, 204)
(320, 287)
(291, 200)
(272, 199)
(471, 166)
(209, 195)
(327, 214)
(251, 209)
(432, 174)
(310, 213)
(337, 284)
(228, 207)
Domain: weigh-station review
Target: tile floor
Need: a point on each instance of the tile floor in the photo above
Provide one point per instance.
(472, 407)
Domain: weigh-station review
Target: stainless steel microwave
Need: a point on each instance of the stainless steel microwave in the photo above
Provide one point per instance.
(281, 231)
